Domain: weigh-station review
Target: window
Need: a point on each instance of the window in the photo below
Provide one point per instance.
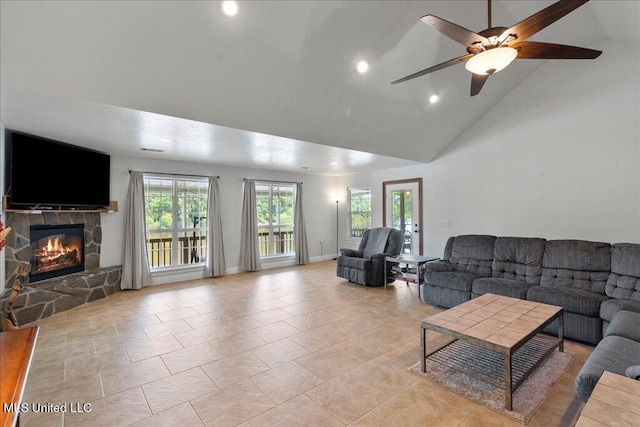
(176, 217)
(359, 211)
(274, 205)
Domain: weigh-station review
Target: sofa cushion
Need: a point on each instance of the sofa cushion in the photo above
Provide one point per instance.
(376, 241)
(505, 287)
(624, 280)
(443, 297)
(518, 258)
(472, 254)
(625, 324)
(576, 263)
(455, 280)
(613, 354)
(609, 308)
(571, 299)
(438, 266)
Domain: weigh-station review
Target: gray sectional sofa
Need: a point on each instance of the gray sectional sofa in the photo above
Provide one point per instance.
(596, 283)
(590, 280)
(618, 352)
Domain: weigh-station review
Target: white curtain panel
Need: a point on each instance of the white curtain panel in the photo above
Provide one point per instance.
(214, 265)
(300, 229)
(136, 272)
(249, 249)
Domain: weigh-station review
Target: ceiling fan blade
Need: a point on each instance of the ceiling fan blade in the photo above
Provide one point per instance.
(540, 50)
(454, 32)
(477, 81)
(539, 20)
(445, 64)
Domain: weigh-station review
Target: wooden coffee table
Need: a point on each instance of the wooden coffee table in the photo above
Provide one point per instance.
(615, 400)
(506, 329)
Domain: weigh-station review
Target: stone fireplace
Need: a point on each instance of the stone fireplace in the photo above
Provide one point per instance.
(61, 251)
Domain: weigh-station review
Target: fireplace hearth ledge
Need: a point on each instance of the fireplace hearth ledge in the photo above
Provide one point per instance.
(45, 298)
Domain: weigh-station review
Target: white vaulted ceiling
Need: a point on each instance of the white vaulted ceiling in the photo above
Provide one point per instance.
(274, 87)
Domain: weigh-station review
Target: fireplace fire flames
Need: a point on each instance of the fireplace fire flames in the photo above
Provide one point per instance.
(55, 255)
(56, 250)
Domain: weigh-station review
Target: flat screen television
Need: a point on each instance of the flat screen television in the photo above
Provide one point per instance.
(52, 174)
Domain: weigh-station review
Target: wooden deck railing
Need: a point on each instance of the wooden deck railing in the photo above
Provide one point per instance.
(191, 250)
(357, 232)
(282, 243)
(161, 251)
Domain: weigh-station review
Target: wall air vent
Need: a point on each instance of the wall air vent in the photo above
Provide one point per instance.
(152, 150)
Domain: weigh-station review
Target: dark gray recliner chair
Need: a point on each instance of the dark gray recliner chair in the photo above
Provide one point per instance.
(366, 265)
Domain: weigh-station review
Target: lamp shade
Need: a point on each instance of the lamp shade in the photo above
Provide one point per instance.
(491, 61)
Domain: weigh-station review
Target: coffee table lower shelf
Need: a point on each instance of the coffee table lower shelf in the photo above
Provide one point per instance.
(489, 366)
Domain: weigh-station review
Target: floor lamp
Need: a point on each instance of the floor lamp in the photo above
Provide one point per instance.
(337, 231)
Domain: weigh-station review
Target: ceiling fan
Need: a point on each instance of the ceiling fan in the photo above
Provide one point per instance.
(491, 50)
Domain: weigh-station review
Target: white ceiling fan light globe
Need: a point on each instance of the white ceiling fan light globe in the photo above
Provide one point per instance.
(230, 8)
(491, 61)
(362, 66)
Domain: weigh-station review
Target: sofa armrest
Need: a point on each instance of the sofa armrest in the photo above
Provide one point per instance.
(633, 372)
(439, 265)
(625, 324)
(351, 253)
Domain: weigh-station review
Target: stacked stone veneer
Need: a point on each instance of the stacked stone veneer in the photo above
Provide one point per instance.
(42, 299)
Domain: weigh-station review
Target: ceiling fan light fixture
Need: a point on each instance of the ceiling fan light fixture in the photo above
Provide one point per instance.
(362, 66)
(230, 8)
(491, 61)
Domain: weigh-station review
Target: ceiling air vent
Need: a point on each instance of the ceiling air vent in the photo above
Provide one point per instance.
(152, 150)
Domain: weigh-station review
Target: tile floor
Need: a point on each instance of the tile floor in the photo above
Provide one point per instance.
(288, 347)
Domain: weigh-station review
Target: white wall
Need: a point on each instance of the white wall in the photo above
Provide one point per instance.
(558, 157)
(318, 198)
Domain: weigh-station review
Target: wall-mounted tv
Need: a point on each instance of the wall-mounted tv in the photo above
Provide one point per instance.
(52, 174)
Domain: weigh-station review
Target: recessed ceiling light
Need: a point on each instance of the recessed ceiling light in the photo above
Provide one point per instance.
(433, 99)
(230, 7)
(362, 66)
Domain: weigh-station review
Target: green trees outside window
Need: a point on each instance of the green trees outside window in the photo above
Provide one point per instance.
(359, 211)
(275, 205)
(176, 220)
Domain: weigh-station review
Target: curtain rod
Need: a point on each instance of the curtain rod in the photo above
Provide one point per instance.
(273, 180)
(174, 174)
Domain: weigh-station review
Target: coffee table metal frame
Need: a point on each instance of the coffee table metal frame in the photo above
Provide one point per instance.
(409, 259)
(505, 350)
